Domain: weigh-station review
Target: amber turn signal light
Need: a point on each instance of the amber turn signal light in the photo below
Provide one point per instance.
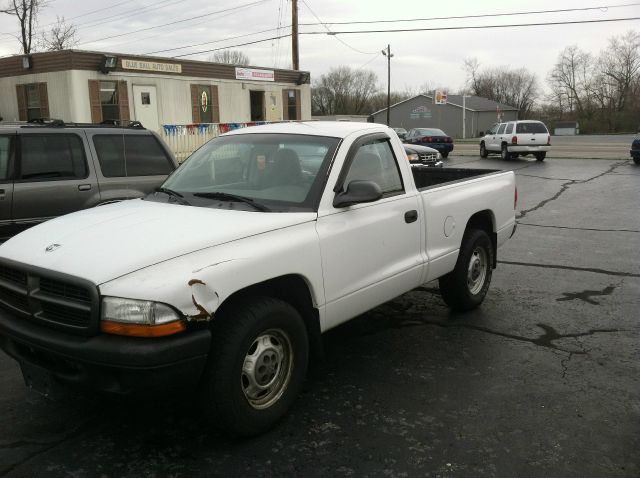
(138, 330)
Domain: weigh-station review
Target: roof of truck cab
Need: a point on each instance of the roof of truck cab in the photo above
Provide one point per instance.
(336, 129)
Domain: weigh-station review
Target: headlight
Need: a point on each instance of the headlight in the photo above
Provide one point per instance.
(438, 155)
(413, 156)
(140, 318)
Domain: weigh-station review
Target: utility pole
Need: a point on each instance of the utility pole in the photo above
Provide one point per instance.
(464, 116)
(388, 54)
(295, 60)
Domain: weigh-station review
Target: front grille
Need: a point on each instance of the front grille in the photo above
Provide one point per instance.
(47, 297)
(428, 156)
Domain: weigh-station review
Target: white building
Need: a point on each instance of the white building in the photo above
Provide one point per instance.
(82, 86)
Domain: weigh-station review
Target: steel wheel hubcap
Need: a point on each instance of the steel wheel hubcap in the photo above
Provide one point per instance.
(477, 271)
(266, 369)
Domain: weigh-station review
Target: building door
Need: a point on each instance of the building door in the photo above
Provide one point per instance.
(257, 105)
(146, 106)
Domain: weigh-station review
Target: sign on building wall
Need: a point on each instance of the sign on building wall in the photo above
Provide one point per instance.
(151, 66)
(421, 112)
(254, 74)
(440, 97)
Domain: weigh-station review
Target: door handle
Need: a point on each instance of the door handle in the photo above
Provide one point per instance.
(84, 187)
(411, 216)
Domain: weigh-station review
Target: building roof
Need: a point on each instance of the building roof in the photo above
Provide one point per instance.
(472, 103)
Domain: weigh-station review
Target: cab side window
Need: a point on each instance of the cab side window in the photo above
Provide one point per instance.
(509, 128)
(375, 162)
(501, 128)
(51, 157)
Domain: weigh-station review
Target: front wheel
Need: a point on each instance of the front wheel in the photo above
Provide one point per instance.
(465, 287)
(483, 151)
(636, 160)
(541, 156)
(445, 154)
(258, 361)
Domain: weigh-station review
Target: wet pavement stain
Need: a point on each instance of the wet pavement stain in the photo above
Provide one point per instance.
(586, 295)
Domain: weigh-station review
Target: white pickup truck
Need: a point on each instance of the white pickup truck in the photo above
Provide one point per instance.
(223, 281)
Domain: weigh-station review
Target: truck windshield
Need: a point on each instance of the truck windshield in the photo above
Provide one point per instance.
(282, 171)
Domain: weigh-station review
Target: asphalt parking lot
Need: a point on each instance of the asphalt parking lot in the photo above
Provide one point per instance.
(542, 380)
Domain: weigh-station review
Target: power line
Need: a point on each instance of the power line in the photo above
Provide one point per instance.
(211, 42)
(462, 17)
(176, 22)
(474, 27)
(327, 28)
(233, 46)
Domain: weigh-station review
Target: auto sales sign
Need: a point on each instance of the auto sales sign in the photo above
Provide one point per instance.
(254, 74)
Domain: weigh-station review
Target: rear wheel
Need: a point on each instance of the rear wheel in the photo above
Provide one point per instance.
(541, 156)
(504, 152)
(258, 361)
(483, 151)
(465, 287)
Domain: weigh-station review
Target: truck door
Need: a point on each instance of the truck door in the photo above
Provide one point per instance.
(52, 177)
(7, 146)
(370, 251)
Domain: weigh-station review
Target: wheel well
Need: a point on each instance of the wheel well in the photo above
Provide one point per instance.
(292, 289)
(484, 220)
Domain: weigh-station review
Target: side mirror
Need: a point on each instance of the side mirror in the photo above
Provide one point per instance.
(358, 192)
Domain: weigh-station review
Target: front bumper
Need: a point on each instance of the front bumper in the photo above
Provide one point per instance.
(108, 363)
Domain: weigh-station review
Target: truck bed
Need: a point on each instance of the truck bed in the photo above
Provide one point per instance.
(429, 177)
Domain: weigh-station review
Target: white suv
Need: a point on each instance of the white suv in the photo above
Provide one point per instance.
(517, 138)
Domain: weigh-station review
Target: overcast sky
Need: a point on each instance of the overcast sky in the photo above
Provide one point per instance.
(435, 57)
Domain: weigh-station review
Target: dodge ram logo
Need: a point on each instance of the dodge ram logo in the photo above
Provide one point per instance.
(52, 247)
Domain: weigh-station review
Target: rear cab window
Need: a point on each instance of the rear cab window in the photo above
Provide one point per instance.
(51, 157)
(131, 155)
(532, 127)
(501, 128)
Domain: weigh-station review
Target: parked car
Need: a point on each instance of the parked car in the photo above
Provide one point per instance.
(423, 156)
(635, 150)
(515, 138)
(47, 170)
(222, 282)
(433, 137)
(401, 132)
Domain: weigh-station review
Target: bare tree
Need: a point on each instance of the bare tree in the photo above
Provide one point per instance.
(61, 36)
(621, 63)
(517, 88)
(571, 79)
(344, 91)
(231, 57)
(27, 13)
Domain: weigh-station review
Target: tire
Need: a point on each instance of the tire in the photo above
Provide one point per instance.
(483, 151)
(465, 287)
(445, 154)
(636, 160)
(504, 153)
(540, 156)
(257, 365)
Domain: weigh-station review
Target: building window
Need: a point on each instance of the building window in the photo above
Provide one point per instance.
(291, 105)
(109, 101)
(205, 107)
(33, 101)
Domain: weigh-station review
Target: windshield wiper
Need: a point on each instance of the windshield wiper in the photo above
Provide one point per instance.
(173, 194)
(233, 197)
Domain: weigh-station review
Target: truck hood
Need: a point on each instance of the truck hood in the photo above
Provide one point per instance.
(106, 242)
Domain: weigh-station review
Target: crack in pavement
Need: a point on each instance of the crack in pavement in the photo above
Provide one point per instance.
(578, 228)
(47, 446)
(566, 186)
(544, 177)
(572, 268)
(586, 295)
